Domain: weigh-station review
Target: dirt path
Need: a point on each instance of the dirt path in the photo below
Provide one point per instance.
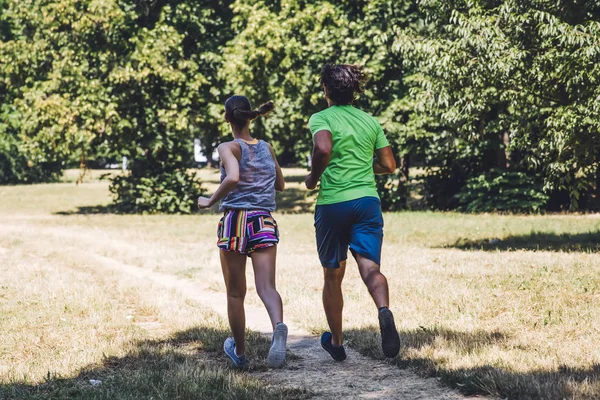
(313, 369)
(357, 377)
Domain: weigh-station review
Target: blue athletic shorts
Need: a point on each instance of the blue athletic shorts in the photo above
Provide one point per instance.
(357, 224)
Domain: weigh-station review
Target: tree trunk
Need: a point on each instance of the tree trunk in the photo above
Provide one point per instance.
(403, 191)
(209, 147)
(596, 204)
(501, 151)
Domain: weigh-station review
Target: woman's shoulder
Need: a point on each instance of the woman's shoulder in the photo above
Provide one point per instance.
(232, 146)
(265, 143)
(230, 143)
(268, 146)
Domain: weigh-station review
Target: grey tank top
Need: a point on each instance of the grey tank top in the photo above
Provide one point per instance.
(256, 187)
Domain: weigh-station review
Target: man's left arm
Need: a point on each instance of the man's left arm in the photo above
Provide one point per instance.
(323, 144)
(384, 162)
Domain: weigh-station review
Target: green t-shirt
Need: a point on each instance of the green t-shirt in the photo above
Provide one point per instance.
(356, 135)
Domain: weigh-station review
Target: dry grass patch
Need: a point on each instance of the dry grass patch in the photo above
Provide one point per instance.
(515, 318)
(67, 323)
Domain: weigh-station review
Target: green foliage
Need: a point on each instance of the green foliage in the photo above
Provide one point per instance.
(512, 77)
(462, 88)
(164, 88)
(502, 191)
(173, 192)
(115, 79)
(15, 166)
(392, 193)
(280, 48)
(52, 94)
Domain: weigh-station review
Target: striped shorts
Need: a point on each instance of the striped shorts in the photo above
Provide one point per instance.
(245, 231)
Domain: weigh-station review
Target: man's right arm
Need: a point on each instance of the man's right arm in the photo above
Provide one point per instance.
(320, 159)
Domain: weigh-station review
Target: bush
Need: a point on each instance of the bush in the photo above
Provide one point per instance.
(17, 167)
(173, 192)
(499, 190)
(393, 192)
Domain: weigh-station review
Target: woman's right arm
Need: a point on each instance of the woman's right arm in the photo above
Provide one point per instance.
(232, 169)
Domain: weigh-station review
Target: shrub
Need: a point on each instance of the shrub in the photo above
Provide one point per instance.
(393, 192)
(173, 192)
(499, 190)
(17, 167)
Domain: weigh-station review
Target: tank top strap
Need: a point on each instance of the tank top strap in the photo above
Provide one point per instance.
(249, 149)
(244, 143)
(243, 147)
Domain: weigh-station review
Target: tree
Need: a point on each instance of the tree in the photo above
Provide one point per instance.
(280, 48)
(509, 85)
(52, 93)
(486, 93)
(165, 90)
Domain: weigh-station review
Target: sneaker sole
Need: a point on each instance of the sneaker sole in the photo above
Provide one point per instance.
(277, 352)
(390, 341)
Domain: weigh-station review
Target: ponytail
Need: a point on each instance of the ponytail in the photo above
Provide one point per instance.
(238, 110)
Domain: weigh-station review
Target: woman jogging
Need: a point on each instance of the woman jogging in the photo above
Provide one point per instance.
(250, 175)
(349, 149)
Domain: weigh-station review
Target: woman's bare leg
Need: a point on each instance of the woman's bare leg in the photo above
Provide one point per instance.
(234, 273)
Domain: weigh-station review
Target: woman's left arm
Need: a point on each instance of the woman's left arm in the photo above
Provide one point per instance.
(232, 170)
(279, 180)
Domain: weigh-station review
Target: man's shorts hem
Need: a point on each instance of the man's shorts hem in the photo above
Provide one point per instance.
(333, 265)
(366, 255)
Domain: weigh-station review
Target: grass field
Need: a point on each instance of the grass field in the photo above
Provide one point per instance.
(514, 318)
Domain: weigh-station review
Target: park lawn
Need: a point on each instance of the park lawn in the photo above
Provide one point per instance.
(66, 323)
(518, 318)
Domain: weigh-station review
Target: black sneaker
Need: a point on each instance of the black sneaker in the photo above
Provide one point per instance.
(338, 353)
(390, 341)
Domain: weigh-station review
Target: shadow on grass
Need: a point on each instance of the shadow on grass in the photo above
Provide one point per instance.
(562, 383)
(290, 201)
(548, 241)
(296, 178)
(187, 365)
(295, 201)
(85, 210)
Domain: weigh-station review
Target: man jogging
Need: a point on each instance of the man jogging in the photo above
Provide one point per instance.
(348, 212)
